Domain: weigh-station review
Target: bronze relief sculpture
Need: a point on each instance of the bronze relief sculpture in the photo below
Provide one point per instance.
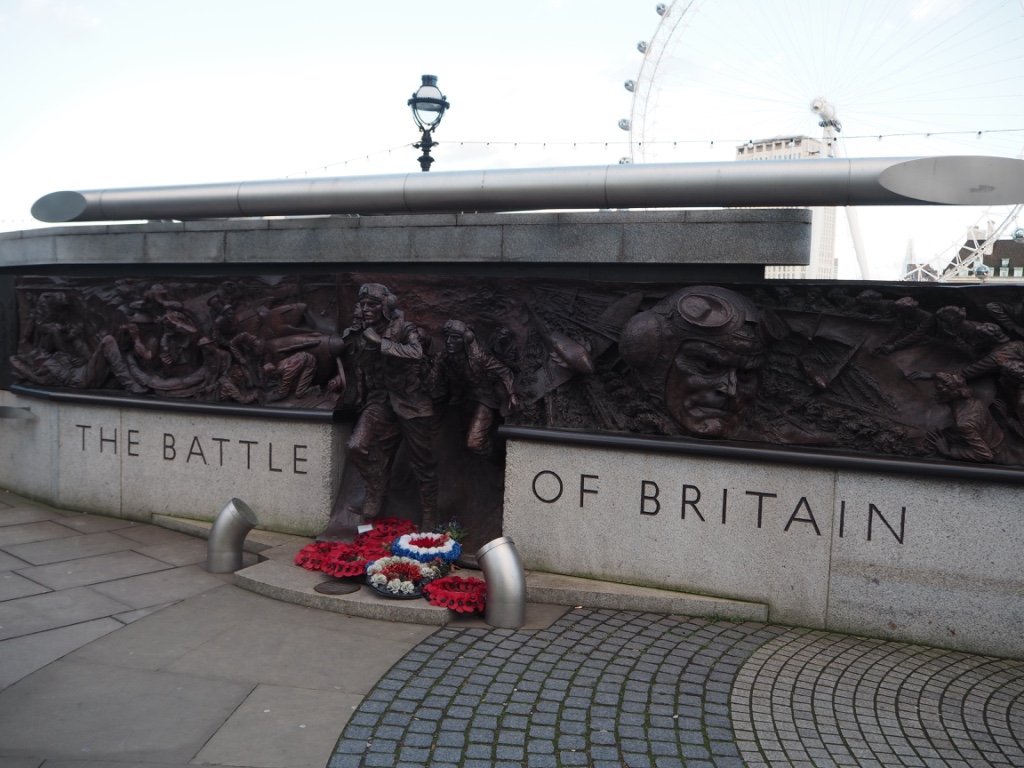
(705, 345)
(425, 368)
(392, 376)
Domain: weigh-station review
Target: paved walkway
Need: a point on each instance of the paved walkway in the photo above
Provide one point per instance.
(117, 648)
(610, 689)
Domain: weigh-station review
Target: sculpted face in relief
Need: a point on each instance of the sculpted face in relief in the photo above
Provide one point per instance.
(705, 344)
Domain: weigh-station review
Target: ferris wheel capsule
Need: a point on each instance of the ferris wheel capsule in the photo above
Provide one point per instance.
(1018, 235)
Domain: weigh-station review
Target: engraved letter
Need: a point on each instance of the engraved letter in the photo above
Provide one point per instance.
(108, 440)
(270, 458)
(196, 449)
(873, 510)
(220, 442)
(646, 485)
(248, 451)
(132, 442)
(558, 480)
(296, 459)
(583, 486)
(809, 519)
(761, 496)
(83, 427)
(688, 502)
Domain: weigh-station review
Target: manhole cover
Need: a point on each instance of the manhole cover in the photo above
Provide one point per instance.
(336, 588)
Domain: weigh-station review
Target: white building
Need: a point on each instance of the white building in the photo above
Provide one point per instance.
(824, 265)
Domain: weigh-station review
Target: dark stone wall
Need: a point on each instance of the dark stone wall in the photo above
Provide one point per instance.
(8, 328)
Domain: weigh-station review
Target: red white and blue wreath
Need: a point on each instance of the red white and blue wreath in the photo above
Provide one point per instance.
(426, 547)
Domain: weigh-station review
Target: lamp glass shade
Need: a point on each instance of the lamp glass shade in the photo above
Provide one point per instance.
(428, 104)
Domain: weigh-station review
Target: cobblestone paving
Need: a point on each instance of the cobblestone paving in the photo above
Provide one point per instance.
(816, 699)
(616, 688)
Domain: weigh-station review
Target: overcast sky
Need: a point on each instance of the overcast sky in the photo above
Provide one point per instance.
(116, 93)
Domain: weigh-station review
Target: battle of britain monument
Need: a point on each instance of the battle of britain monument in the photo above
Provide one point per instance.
(620, 391)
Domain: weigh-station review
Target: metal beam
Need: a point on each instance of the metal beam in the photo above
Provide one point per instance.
(833, 182)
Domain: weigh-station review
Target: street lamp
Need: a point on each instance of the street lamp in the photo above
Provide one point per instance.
(428, 106)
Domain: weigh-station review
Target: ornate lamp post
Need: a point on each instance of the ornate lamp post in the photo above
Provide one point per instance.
(428, 107)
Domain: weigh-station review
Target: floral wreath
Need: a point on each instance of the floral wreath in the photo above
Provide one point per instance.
(427, 546)
(340, 559)
(337, 558)
(465, 595)
(390, 528)
(400, 575)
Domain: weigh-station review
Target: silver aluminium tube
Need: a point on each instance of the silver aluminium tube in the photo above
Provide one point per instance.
(958, 180)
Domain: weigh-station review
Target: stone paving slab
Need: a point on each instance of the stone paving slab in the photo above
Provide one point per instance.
(56, 550)
(171, 633)
(108, 713)
(13, 586)
(129, 616)
(87, 523)
(92, 570)
(19, 515)
(160, 587)
(10, 563)
(177, 553)
(281, 727)
(38, 613)
(267, 649)
(35, 531)
(21, 656)
(151, 535)
(256, 542)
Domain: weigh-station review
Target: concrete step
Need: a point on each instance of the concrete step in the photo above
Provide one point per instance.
(292, 584)
(570, 590)
(279, 578)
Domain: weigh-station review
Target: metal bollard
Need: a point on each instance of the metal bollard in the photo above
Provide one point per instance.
(224, 547)
(506, 583)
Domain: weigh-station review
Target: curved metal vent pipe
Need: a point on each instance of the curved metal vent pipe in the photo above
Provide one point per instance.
(959, 180)
(231, 526)
(506, 583)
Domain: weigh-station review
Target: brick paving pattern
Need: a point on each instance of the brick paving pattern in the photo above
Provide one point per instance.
(608, 689)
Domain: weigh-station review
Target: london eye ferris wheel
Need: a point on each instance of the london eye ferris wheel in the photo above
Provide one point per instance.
(871, 78)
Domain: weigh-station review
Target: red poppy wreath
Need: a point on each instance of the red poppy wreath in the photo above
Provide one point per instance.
(462, 594)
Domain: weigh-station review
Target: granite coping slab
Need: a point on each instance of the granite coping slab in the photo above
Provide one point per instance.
(749, 236)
